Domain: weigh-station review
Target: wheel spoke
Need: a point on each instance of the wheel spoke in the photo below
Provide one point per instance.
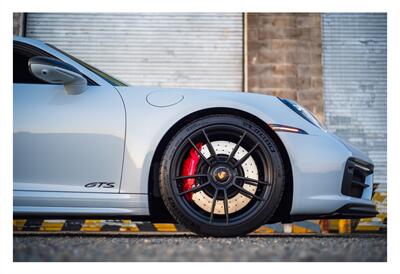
(226, 206)
(230, 178)
(244, 158)
(251, 181)
(235, 149)
(194, 189)
(199, 152)
(247, 193)
(214, 201)
(209, 145)
(191, 176)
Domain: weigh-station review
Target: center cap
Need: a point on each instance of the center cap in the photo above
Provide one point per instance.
(222, 174)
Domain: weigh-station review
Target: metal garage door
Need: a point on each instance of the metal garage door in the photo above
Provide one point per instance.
(199, 50)
(354, 59)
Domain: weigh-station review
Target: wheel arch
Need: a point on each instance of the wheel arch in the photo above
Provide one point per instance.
(159, 212)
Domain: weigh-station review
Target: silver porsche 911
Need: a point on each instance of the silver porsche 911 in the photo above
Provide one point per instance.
(220, 163)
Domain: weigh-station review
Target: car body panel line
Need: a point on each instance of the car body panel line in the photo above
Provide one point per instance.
(124, 149)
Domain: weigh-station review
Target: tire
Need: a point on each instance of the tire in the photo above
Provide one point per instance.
(236, 184)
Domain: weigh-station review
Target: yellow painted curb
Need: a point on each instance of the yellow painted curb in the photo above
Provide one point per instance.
(128, 226)
(264, 229)
(49, 225)
(368, 228)
(165, 227)
(91, 226)
(300, 229)
(19, 224)
(344, 226)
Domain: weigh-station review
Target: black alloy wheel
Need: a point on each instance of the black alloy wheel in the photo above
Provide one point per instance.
(233, 187)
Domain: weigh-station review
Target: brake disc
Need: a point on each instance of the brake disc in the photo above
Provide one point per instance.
(238, 201)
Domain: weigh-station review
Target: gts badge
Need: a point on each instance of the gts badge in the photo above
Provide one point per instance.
(100, 185)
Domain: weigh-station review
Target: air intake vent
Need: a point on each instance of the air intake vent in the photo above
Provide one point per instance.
(354, 178)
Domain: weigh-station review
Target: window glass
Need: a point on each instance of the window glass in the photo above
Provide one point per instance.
(21, 73)
(110, 79)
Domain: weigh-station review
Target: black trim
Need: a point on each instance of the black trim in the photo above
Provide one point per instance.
(358, 210)
(24, 23)
(355, 174)
(348, 211)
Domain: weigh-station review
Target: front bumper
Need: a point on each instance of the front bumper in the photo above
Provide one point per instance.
(320, 170)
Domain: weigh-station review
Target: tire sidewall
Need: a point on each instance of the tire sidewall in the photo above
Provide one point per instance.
(246, 226)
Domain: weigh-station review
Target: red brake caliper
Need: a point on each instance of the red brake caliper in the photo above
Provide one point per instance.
(189, 168)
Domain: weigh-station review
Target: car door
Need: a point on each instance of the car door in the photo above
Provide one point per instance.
(62, 142)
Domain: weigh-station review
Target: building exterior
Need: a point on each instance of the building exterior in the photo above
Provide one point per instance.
(166, 50)
(333, 64)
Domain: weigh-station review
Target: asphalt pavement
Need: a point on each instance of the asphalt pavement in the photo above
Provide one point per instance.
(367, 248)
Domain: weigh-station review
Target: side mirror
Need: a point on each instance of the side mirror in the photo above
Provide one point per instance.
(57, 72)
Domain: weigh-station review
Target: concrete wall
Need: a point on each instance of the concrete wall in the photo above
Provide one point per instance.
(284, 57)
(18, 24)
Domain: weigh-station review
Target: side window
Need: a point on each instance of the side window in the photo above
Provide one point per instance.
(21, 73)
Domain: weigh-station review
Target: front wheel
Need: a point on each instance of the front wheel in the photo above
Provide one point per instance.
(222, 175)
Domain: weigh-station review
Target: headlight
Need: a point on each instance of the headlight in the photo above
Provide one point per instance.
(303, 112)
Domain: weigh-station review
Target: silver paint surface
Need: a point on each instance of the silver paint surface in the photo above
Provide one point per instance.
(63, 141)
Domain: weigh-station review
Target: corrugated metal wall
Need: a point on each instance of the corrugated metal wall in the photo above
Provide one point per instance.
(354, 72)
(200, 50)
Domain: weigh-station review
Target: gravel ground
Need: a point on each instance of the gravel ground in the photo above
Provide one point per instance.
(193, 248)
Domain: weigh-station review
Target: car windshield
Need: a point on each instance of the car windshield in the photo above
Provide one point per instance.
(110, 79)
